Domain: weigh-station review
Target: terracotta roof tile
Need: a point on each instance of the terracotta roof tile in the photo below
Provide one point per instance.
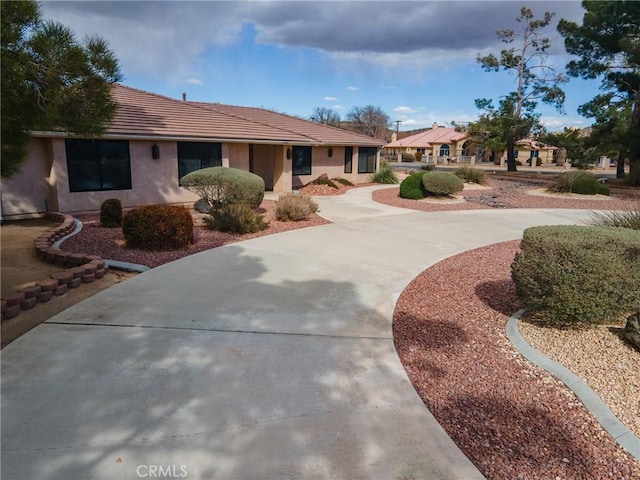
(428, 138)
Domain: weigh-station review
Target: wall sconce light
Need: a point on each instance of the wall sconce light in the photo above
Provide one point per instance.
(330, 152)
(155, 152)
(288, 154)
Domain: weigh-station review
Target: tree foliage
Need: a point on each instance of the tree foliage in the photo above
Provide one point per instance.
(514, 118)
(608, 46)
(370, 121)
(569, 141)
(326, 116)
(50, 81)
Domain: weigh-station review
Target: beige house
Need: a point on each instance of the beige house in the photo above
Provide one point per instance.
(444, 146)
(154, 140)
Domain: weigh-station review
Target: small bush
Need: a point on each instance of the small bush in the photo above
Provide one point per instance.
(224, 185)
(408, 157)
(564, 181)
(291, 207)
(324, 180)
(618, 218)
(589, 186)
(442, 183)
(429, 167)
(235, 218)
(343, 181)
(578, 274)
(470, 175)
(385, 175)
(412, 187)
(158, 227)
(111, 213)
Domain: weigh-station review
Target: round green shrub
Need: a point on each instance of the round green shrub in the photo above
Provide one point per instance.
(568, 274)
(442, 183)
(235, 218)
(586, 186)
(158, 227)
(564, 181)
(412, 187)
(224, 185)
(111, 213)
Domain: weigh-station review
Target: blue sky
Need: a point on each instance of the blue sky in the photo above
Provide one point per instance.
(414, 60)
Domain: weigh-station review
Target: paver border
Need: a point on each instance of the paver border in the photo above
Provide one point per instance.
(605, 417)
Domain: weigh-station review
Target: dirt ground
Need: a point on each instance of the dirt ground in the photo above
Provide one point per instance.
(20, 267)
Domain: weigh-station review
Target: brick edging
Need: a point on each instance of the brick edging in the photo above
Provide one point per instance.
(83, 268)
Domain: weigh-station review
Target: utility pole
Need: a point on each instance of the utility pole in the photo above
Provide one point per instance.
(397, 122)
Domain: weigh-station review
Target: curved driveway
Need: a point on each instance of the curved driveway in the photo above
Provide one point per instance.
(271, 358)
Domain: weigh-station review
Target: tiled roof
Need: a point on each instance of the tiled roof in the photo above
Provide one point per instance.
(145, 114)
(428, 138)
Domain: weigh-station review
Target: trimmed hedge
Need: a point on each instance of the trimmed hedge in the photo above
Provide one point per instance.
(158, 227)
(412, 187)
(224, 185)
(111, 213)
(578, 274)
(442, 183)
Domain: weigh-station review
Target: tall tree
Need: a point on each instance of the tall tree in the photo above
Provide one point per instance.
(326, 116)
(49, 81)
(569, 141)
(608, 46)
(370, 121)
(536, 80)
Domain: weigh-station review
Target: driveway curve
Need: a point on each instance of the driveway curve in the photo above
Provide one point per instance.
(270, 358)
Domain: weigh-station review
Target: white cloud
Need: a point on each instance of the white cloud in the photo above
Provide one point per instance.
(559, 122)
(338, 107)
(402, 109)
(195, 81)
(352, 89)
(330, 99)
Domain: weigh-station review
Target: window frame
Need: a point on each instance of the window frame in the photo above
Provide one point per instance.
(204, 159)
(305, 154)
(93, 158)
(365, 166)
(348, 159)
(444, 147)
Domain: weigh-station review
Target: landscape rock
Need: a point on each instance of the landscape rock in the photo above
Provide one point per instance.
(632, 330)
(202, 206)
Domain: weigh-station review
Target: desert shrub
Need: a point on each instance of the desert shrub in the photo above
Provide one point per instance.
(235, 218)
(324, 180)
(564, 181)
(291, 207)
(343, 181)
(429, 167)
(158, 227)
(442, 183)
(408, 157)
(470, 175)
(578, 274)
(418, 156)
(629, 218)
(111, 213)
(589, 185)
(385, 175)
(412, 187)
(224, 185)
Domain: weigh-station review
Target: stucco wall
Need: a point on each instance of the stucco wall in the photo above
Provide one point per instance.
(30, 191)
(333, 166)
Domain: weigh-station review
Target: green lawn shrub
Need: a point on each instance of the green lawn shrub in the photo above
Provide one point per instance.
(470, 175)
(564, 182)
(111, 213)
(589, 186)
(385, 175)
(292, 207)
(429, 167)
(235, 218)
(412, 187)
(567, 275)
(158, 227)
(442, 183)
(224, 185)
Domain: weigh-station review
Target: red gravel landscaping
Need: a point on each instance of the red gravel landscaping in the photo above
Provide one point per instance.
(512, 419)
(108, 243)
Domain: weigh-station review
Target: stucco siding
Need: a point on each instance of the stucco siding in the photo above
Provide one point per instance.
(333, 166)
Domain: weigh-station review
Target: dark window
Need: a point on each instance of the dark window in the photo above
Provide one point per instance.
(301, 160)
(348, 159)
(95, 165)
(444, 151)
(193, 156)
(367, 159)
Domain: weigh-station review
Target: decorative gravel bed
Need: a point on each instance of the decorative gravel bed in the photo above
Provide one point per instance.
(108, 243)
(512, 419)
(505, 194)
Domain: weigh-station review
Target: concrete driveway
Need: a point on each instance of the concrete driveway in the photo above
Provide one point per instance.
(272, 358)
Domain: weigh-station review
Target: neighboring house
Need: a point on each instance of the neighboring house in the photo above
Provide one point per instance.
(438, 144)
(154, 140)
(445, 145)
